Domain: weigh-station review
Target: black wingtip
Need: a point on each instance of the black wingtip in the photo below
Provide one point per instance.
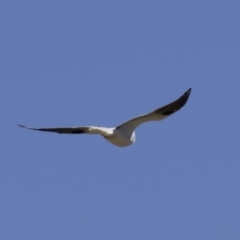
(188, 91)
(21, 126)
(185, 96)
(176, 105)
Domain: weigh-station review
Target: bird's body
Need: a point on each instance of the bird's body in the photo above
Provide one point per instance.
(121, 137)
(124, 134)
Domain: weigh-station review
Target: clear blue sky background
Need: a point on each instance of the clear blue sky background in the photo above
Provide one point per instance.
(70, 63)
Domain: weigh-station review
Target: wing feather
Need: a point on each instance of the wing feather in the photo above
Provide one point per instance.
(67, 130)
(158, 114)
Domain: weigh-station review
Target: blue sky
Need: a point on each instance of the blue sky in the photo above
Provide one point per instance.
(70, 63)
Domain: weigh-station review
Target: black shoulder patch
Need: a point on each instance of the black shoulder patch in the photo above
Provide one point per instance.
(77, 131)
(168, 112)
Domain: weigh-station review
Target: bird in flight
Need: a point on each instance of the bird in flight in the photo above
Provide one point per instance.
(124, 134)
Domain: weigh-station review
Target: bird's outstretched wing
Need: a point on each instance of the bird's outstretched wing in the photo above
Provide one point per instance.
(68, 130)
(159, 113)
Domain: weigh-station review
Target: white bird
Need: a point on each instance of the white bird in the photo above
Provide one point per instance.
(124, 134)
